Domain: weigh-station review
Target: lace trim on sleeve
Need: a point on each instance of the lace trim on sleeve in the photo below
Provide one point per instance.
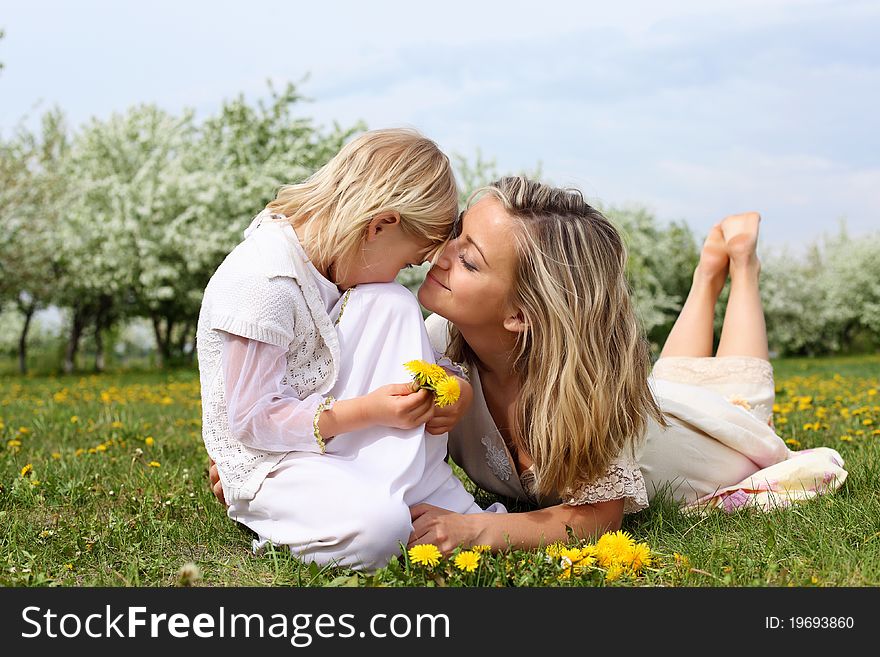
(623, 480)
(459, 368)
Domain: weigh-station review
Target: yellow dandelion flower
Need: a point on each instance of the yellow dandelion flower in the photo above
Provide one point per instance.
(867, 422)
(467, 561)
(554, 550)
(570, 555)
(148, 441)
(447, 391)
(12, 444)
(479, 549)
(425, 374)
(612, 547)
(27, 470)
(116, 425)
(846, 439)
(74, 419)
(425, 555)
(79, 452)
(56, 455)
(641, 557)
(794, 442)
(155, 464)
(23, 430)
(615, 570)
(167, 401)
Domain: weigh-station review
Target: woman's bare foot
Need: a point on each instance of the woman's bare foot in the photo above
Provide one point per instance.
(740, 233)
(714, 261)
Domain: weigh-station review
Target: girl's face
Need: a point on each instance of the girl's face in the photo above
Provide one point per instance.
(386, 250)
(472, 282)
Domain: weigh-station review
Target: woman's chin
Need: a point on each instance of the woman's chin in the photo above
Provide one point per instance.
(425, 298)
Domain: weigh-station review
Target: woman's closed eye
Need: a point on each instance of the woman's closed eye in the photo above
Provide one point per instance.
(467, 265)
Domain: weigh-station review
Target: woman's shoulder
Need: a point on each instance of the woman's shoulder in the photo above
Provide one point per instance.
(438, 332)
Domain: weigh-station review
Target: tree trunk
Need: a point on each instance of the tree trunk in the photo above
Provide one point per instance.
(76, 330)
(183, 339)
(163, 338)
(22, 340)
(101, 324)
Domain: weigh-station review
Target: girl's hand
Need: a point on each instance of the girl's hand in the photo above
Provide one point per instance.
(446, 418)
(445, 529)
(216, 486)
(396, 405)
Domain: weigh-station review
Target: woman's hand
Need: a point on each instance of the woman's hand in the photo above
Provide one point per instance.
(446, 418)
(396, 405)
(216, 486)
(445, 529)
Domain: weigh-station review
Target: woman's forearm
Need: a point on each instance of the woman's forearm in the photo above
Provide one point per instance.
(534, 529)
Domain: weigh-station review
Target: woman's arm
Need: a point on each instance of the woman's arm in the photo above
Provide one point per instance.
(531, 529)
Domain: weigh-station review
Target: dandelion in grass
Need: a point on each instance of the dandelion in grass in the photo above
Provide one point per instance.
(554, 550)
(148, 441)
(615, 571)
(27, 470)
(467, 561)
(155, 464)
(425, 555)
(479, 549)
(74, 419)
(641, 557)
(613, 547)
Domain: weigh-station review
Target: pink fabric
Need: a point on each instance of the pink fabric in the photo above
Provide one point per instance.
(800, 477)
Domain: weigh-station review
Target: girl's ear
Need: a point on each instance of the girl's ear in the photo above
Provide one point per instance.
(516, 323)
(380, 221)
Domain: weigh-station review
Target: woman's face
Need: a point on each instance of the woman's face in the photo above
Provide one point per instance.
(472, 283)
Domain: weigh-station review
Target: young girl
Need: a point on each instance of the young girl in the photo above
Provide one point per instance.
(283, 333)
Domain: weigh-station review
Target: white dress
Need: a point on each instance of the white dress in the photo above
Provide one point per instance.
(350, 505)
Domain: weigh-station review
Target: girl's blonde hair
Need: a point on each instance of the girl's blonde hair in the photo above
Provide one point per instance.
(382, 170)
(583, 360)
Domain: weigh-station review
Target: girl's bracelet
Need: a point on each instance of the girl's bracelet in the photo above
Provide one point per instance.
(325, 405)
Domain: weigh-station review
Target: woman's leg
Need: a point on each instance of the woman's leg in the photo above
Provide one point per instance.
(693, 331)
(744, 332)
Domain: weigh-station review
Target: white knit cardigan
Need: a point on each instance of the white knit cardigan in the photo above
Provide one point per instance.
(248, 296)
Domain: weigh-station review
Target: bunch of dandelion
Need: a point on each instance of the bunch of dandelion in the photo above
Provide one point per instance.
(430, 376)
(619, 554)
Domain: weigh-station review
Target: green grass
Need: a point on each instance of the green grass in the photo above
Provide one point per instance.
(93, 511)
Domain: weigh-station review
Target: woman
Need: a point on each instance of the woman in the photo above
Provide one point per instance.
(534, 296)
(531, 296)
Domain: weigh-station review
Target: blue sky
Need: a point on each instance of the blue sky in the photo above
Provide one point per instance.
(693, 109)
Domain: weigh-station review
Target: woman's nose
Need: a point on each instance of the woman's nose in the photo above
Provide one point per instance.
(445, 258)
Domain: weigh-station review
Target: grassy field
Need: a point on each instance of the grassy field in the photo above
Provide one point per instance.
(103, 482)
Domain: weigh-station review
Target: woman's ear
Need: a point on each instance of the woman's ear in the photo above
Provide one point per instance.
(380, 221)
(516, 323)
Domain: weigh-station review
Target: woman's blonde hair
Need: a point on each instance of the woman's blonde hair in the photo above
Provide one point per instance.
(583, 359)
(379, 171)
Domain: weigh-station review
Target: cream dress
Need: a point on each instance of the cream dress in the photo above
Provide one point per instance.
(719, 449)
